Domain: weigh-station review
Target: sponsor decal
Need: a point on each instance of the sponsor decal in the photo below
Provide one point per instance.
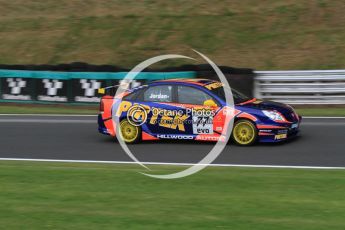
(202, 125)
(89, 89)
(173, 136)
(266, 130)
(280, 136)
(210, 138)
(214, 85)
(16, 97)
(159, 96)
(52, 86)
(16, 85)
(51, 98)
(16, 89)
(282, 131)
(52, 90)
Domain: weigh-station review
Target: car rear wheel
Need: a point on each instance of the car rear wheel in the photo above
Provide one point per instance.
(129, 133)
(244, 133)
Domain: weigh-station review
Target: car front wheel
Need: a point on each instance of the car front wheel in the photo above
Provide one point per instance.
(244, 132)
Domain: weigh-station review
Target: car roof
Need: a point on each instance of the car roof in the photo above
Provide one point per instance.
(190, 81)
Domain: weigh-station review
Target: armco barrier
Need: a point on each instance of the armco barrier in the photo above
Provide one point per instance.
(68, 87)
(301, 87)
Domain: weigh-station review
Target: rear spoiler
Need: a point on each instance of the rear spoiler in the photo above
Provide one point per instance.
(107, 89)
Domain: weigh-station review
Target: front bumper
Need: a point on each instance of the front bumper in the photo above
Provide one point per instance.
(279, 133)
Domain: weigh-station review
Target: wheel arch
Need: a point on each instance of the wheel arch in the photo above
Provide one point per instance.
(256, 131)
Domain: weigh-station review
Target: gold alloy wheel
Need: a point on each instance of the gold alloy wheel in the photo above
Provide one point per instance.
(129, 132)
(244, 132)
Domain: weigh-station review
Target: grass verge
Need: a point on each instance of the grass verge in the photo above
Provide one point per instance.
(328, 112)
(94, 196)
(289, 34)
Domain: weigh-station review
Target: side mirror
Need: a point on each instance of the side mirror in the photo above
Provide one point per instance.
(210, 103)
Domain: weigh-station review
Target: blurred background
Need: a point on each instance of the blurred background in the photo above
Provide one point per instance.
(247, 38)
(265, 35)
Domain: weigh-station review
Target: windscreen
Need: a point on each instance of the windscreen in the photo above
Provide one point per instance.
(238, 97)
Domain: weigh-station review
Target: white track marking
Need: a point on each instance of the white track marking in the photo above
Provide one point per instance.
(333, 123)
(172, 164)
(322, 118)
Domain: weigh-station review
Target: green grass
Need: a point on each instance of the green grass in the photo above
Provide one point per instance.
(95, 196)
(27, 109)
(289, 34)
(322, 111)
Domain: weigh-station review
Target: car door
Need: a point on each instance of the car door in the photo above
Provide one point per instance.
(201, 111)
(163, 117)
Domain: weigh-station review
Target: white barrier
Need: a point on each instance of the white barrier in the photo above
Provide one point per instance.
(301, 87)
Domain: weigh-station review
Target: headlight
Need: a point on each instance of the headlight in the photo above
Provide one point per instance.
(274, 115)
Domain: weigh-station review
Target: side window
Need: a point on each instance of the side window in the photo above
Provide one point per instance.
(130, 97)
(159, 93)
(133, 95)
(190, 95)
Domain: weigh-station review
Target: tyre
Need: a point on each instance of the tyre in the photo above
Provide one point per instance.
(244, 132)
(129, 133)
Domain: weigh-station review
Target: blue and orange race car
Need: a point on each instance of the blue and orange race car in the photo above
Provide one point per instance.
(194, 109)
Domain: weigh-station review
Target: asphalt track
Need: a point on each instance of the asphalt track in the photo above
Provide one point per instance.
(321, 143)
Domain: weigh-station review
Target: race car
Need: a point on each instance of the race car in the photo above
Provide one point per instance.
(194, 109)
